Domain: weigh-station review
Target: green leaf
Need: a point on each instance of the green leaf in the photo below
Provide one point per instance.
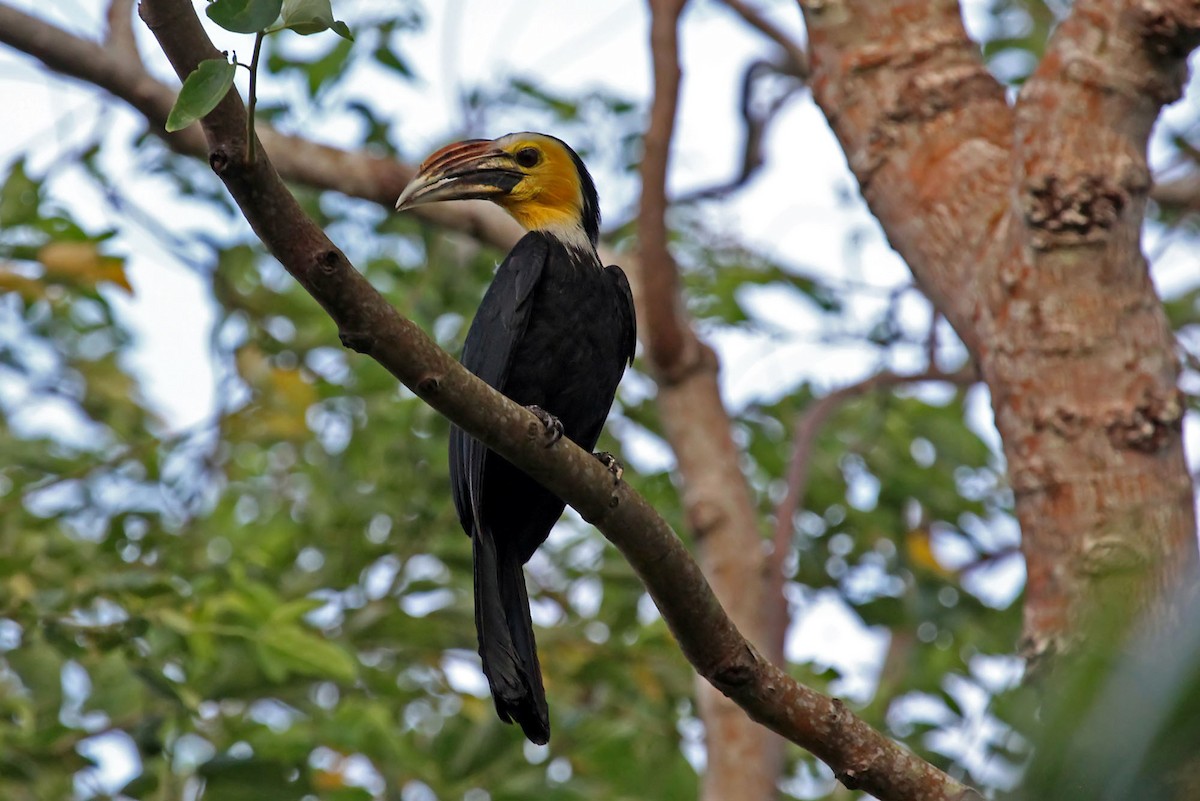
(293, 649)
(116, 689)
(201, 93)
(19, 197)
(39, 666)
(389, 58)
(235, 779)
(307, 17)
(244, 16)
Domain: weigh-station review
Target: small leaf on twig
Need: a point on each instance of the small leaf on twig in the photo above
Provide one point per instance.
(244, 16)
(310, 16)
(201, 92)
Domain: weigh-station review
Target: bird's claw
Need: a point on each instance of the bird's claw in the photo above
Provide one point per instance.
(553, 427)
(614, 467)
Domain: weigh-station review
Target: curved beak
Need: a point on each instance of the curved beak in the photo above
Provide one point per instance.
(468, 170)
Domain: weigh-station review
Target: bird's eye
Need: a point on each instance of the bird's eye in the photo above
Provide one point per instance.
(528, 157)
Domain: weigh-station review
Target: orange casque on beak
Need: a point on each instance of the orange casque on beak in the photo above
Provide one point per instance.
(473, 169)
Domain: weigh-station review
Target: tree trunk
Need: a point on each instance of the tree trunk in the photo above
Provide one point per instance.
(743, 759)
(1022, 225)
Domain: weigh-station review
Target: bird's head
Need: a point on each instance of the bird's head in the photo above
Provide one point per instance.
(536, 178)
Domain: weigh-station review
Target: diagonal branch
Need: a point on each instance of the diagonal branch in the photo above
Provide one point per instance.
(808, 426)
(926, 131)
(118, 71)
(860, 756)
(754, 125)
(797, 59)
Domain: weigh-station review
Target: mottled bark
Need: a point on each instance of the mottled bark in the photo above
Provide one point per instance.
(1022, 226)
(1080, 358)
(926, 131)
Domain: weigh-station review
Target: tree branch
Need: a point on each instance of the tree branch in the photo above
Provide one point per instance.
(927, 132)
(121, 74)
(804, 437)
(1180, 194)
(744, 762)
(665, 332)
(1085, 388)
(754, 126)
(119, 38)
(797, 59)
(860, 756)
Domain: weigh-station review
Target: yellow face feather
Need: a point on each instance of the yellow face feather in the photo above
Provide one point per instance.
(549, 197)
(535, 178)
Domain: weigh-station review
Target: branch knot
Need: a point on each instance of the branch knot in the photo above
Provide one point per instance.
(218, 159)
(329, 260)
(1170, 31)
(1075, 210)
(358, 341)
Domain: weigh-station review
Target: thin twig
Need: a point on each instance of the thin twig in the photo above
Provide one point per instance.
(989, 559)
(1178, 194)
(808, 426)
(119, 39)
(754, 121)
(797, 58)
(253, 97)
(932, 340)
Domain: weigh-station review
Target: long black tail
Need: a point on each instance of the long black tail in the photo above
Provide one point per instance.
(506, 643)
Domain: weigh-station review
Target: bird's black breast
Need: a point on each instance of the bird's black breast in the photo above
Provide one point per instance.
(555, 329)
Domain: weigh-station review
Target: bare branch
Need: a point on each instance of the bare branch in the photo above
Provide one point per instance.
(119, 38)
(355, 174)
(861, 757)
(927, 132)
(804, 437)
(743, 761)
(794, 64)
(797, 59)
(754, 121)
(665, 332)
(1182, 194)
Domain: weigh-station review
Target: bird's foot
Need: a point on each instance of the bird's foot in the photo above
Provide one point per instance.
(610, 461)
(553, 427)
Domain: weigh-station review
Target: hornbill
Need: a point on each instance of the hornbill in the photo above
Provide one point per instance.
(554, 333)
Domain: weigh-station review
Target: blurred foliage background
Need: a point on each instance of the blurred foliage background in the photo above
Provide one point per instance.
(275, 603)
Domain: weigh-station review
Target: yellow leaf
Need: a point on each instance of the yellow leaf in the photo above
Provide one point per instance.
(651, 688)
(83, 263)
(282, 399)
(252, 365)
(20, 588)
(292, 389)
(918, 543)
(29, 288)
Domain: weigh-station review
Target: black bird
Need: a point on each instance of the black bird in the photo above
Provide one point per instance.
(554, 333)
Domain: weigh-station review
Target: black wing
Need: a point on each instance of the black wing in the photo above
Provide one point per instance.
(626, 310)
(498, 327)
